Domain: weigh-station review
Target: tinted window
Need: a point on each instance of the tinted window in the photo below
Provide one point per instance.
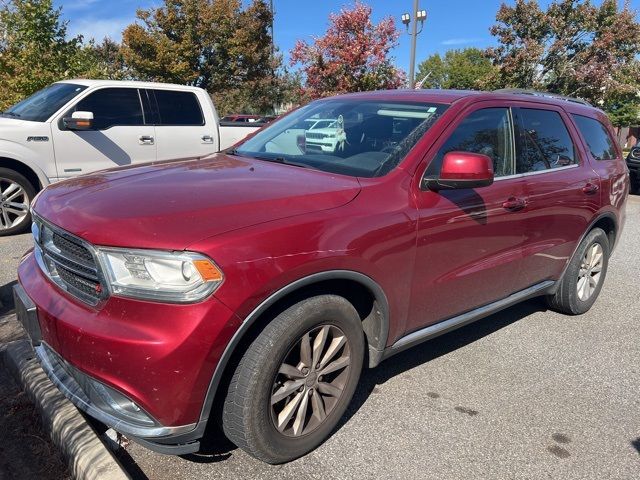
(44, 103)
(112, 107)
(178, 108)
(487, 132)
(597, 137)
(544, 141)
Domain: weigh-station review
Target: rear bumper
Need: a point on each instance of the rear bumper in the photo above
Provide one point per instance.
(141, 368)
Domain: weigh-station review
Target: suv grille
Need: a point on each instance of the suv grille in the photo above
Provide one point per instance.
(316, 136)
(69, 262)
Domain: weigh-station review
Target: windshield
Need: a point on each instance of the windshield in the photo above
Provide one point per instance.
(347, 136)
(44, 103)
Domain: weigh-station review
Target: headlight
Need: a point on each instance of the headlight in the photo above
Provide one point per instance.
(162, 276)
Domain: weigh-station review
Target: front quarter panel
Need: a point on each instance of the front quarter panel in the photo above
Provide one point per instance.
(31, 145)
(373, 235)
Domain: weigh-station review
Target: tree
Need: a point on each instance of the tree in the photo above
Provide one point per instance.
(213, 44)
(34, 49)
(467, 69)
(574, 47)
(105, 61)
(352, 56)
(623, 107)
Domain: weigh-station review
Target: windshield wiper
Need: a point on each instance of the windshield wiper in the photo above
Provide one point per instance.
(285, 161)
(11, 114)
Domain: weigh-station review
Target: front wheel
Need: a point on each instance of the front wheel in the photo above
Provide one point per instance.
(295, 381)
(581, 284)
(16, 194)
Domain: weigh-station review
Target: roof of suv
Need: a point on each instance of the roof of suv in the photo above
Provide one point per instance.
(451, 96)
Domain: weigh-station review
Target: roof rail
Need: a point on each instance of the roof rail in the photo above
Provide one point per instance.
(524, 91)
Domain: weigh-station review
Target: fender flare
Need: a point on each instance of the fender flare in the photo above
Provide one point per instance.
(608, 215)
(250, 320)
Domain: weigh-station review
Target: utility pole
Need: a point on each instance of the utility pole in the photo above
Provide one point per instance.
(414, 37)
(273, 42)
(418, 16)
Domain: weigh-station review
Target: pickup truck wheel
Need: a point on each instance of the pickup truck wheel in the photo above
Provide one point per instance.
(581, 284)
(295, 381)
(16, 193)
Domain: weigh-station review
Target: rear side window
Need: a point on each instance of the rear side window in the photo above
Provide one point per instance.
(544, 142)
(597, 137)
(113, 107)
(178, 108)
(486, 131)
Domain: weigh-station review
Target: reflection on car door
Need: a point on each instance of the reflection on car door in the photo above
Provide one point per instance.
(559, 205)
(469, 253)
(120, 135)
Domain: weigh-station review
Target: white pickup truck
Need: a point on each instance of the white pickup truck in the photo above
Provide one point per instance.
(80, 126)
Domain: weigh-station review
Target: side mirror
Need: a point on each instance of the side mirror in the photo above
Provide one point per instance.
(463, 170)
(79, 121)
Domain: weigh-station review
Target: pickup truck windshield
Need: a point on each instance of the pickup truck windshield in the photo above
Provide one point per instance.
(44, 103)
(345, 136)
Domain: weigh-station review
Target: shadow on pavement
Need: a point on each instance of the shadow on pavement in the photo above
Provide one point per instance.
(6, 298)
(636, 444)
(437, 347)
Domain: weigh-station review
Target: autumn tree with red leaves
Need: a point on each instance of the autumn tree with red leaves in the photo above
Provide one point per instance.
(352, 56)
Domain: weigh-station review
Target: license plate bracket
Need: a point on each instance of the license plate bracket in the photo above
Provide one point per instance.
(27, 314)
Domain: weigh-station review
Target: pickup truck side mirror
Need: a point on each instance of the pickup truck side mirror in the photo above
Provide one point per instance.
(462, 170)
(79, 121)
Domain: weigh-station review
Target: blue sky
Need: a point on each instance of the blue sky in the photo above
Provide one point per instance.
(450, 23)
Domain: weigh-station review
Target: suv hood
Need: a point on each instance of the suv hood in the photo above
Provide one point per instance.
(171, 205)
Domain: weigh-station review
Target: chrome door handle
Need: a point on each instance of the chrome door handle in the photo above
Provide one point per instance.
(206, 139)
(514, 204)
(145, 140)
(590, 188)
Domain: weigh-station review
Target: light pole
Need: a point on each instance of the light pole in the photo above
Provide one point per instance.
(418, 16)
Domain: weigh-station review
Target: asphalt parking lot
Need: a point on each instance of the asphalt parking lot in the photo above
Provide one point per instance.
(526, 393)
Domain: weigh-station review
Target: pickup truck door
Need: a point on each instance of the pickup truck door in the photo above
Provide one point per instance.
(120, 135)
(184, 126)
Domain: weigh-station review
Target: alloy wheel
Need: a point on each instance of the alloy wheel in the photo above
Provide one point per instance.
(590, 271)
(14, 204)
(310, 381)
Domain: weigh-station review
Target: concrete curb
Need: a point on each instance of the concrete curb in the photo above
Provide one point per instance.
(87, 457)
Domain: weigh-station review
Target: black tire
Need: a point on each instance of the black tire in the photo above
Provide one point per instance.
(6, 176)
(635, 184)
(567, 299)
(247, 416)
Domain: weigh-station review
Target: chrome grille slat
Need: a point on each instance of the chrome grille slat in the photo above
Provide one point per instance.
(69, 262)
(64, 263)
(74, 252)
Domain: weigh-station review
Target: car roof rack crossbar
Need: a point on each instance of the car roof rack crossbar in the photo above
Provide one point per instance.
(535, 93)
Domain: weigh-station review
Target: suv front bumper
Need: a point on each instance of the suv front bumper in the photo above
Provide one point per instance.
(141, 368)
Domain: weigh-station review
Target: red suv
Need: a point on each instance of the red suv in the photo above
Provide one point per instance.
(251, 287)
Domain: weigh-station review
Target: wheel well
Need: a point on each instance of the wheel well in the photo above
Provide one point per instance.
(609, 226)
(361, 297)
(23, 170)
(371, 313)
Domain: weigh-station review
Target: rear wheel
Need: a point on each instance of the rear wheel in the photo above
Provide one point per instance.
(295, 381)
(581, 284)
(635, 183)
(16, 194)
